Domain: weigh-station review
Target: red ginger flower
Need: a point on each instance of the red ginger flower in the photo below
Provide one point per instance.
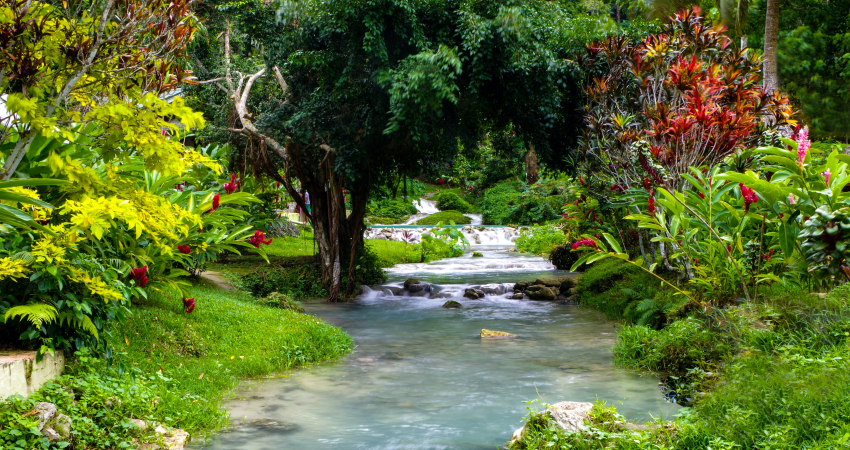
(651, 206)
(585, 242)
(749, 195)
(215, 202)
(189, 304)
(259, 238)
(185, 249)
(140, 275)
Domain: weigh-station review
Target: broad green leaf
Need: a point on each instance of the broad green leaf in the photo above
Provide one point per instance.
(613, 242)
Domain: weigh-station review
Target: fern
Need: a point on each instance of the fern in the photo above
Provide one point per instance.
(35, 313)
(647, 305)
(85, 323)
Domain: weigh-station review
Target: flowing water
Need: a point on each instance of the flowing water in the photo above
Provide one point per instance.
(421, 378)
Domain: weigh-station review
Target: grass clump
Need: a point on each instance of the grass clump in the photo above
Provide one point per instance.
(540, 239)
(445, 217)
(390, 253)
(173, 369)
(447, 201)
(513, 202)
(393, 208)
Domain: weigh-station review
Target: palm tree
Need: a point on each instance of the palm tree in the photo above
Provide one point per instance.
(771, 37)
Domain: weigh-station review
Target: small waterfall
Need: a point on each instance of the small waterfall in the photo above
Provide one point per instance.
(503, 236)
(448, 291)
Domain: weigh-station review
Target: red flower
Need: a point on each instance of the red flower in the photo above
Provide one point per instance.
(259, 238)
(585, 242)
(646, 183)
(140, 275)
(651, 206)
(441, 181)
(749, 195)
(189, 304)
(229, 188)
(185, 249)
(215, 202)
(701, 195)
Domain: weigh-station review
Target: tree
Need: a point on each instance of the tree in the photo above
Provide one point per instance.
(771, 38)
(102, 62)
(369, 91)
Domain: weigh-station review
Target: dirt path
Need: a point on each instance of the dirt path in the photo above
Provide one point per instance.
(217, 280)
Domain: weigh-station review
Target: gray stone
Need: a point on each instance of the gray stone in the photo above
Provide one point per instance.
(410, 281)
(493, 289)
(46, 412)
(140, 424)
(62, 425)
(518, 296)
(417, 287)
(568, 416)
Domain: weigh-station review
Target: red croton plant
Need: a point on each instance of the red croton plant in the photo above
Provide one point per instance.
(686, 97)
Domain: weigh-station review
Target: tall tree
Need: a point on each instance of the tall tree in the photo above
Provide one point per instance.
(373, 90)
(771, 41)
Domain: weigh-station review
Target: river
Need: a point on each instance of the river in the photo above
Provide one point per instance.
(421, 377)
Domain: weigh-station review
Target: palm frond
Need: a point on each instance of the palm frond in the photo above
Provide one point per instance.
(35, 313)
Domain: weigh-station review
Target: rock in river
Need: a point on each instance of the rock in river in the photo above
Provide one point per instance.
(451, 304)
(539, 292)
(568, 416)
(485, 333)
(473, 294)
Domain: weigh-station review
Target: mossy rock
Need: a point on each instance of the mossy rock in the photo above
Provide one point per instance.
(409, 282)
(477, 255)
(446, 217)
(485, 333)
(452, 304)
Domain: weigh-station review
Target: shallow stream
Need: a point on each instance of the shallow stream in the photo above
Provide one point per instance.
(421, 378)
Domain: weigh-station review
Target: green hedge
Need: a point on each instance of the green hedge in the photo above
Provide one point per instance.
(450, 201)
(446, 217)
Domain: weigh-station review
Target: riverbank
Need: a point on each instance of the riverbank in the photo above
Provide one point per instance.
(766, 374)
(172, 369)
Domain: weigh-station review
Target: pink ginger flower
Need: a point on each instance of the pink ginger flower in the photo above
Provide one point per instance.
(803, 144)
(791, 199)
(749, 195)
(585, 242)
(826, 176)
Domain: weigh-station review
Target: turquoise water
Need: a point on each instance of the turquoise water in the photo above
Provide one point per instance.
(421, 378)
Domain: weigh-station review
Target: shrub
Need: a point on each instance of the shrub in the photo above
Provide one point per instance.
(451, 201)
(434, 248)
(540, 239)
(394, 208)
(616, 288)
(512, 202)
(445, 217)
(682, 345)
(296, 277)
(563, 258)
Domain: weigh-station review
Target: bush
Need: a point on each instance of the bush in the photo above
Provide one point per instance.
(512, 202)
(394, 208)
(297, 277)
(445, 217)
(434, 248)
(563, 258)
(618, 288)
(451, 201)
(540, 239)
(681, 346)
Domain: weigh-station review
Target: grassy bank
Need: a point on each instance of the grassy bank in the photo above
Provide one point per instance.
(174, 369)
(767, 374)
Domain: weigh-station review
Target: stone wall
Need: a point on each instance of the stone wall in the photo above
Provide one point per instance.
(20, 373)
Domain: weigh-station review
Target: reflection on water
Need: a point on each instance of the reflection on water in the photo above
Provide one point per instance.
(421, 378)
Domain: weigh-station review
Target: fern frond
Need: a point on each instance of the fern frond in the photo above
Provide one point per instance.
(629, 292)
(35, 313)
(647, 305)
(85, 323)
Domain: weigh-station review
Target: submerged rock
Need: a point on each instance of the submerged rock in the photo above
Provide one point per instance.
(410, 281)
(517, 296)
(452, 304)
(568, 416)
(477, 255)
(485, 333)
(493, 289)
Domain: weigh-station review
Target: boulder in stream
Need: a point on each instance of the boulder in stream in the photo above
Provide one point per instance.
(415, 286)
(493, 334)
(452, 304)
(539, 292)
(477, 255)
(568, 416)
(473, 294)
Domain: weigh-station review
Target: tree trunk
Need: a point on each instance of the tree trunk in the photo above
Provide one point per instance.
(531, 165)
(771, 38)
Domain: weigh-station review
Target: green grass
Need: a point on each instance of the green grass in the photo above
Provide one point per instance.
(390, 253)
(302, 245)
(446, 217)
(226, 338)
(178, 367)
